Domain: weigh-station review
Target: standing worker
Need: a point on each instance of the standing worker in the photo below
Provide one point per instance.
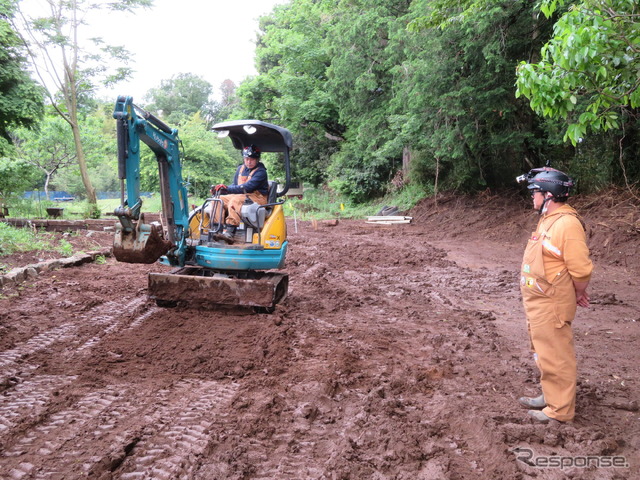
(556, 270)
(249, 181)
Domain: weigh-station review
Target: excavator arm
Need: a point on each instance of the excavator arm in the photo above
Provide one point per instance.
(136, 241)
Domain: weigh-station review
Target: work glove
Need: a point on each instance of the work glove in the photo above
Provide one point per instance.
(220, 188)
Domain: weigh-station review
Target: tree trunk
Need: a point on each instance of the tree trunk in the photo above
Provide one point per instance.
(46, 185)
(82, 164)
(435, 183)
(71, 100)
(406, 162)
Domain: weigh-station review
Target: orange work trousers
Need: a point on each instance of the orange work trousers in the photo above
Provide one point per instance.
(233, 204)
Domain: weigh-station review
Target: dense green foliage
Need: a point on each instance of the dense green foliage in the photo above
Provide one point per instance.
(49, 147)
(378, 95)
(207, 160)
(180, 96)
(16, 176)
(383, 97)
(186, 94)
(589, 70)
(21, 101)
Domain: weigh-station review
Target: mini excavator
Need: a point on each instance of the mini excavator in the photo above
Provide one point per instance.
(205, 271)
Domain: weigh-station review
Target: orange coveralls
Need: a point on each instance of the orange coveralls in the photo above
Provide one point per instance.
(556, 254)
(233, 202)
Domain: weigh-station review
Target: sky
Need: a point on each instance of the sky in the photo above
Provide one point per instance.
(214, 39)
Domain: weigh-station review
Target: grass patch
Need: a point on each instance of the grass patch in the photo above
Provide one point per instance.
(75, 209)
(323, 204)
(100, 260)
(22, 240)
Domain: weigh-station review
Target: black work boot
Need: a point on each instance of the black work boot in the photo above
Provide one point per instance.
(228, 234)
(533, 402)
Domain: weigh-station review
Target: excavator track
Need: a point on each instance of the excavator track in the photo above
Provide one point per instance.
(202, 286)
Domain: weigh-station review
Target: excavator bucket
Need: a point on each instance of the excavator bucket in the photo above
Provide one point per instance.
(144, 244)
(201, 286)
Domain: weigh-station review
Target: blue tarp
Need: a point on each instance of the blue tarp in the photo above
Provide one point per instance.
(56, 196)
(66, 196)
(111, 195)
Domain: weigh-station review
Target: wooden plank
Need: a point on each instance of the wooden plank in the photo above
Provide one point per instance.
(60, 225)
(375, 218)
(391, 222)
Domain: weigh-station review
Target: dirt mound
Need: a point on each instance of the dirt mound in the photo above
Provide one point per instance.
(612, 221)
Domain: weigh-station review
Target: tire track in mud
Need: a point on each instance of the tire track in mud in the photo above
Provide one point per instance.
(174, 431)
(11, 367)
(108, 316)
(196, 409)
(50, 441)
(27, 401)
(280, 435)
(48, 435)
(26, 396)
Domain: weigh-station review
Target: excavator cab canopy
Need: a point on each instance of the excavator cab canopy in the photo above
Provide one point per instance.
(266, 136)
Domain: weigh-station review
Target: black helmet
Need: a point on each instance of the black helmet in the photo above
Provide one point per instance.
(548, 180)
(251, 151)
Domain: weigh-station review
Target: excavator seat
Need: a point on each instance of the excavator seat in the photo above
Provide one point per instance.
(272, 195)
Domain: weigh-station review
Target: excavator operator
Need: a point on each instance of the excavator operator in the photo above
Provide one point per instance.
(249, 181)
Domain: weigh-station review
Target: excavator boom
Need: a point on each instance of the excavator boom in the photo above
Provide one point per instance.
(136, 241)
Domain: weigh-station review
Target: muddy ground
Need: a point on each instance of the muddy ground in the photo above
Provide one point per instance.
(399, 354)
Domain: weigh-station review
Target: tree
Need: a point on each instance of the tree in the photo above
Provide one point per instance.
(454, 99)
(222, 110)
(360, 84)
(588, 71)
(372, 88)
(181, 96)
(207, 160)
(49, 147)
(581, 79)
(16, 176)
(292, 57)
(66, 69)
(21, 102)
